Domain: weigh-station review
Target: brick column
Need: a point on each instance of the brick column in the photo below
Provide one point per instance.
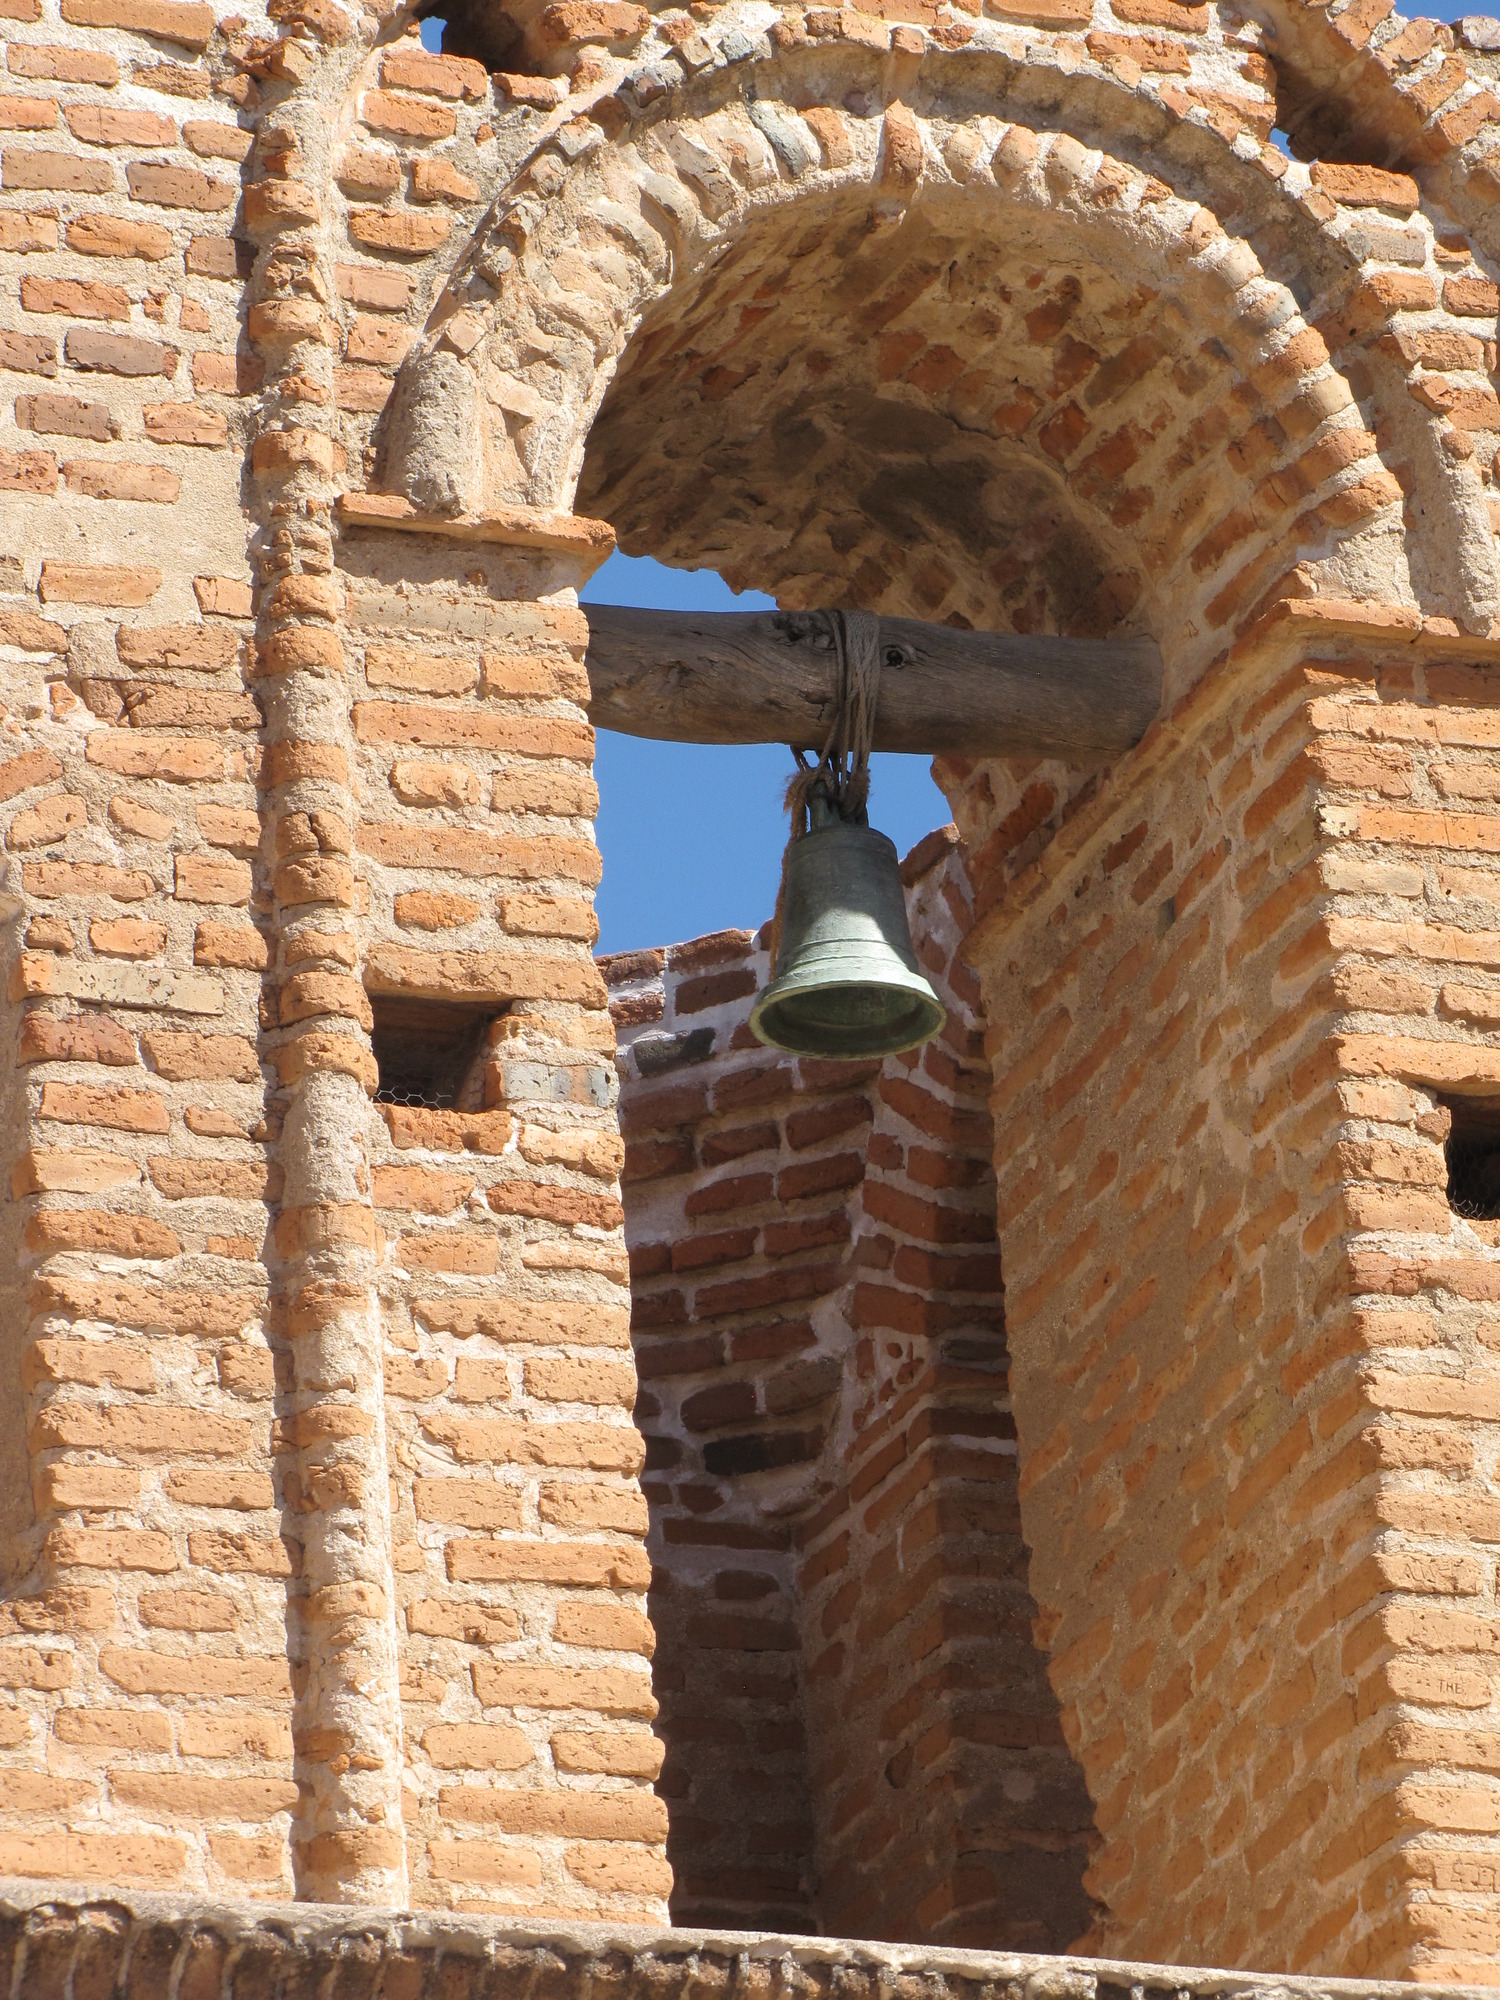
(1231, 1010)
(350, 1842)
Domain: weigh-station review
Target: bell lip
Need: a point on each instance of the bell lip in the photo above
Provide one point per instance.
(934, 1018)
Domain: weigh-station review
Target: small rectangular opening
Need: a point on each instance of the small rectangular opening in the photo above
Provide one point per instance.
(1473, 1151)
(429, 1053)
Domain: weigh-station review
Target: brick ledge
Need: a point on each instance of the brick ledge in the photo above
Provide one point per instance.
(267, 1948)
(519, 527)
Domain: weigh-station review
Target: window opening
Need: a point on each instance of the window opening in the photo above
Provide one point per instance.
(474, 28)
(1473, 1151)
(429, 1054)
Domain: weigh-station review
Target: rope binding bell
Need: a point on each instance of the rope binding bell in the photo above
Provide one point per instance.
(845, 981)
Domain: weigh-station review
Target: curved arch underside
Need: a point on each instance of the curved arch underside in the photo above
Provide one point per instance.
(1096, 401)
(838, 414)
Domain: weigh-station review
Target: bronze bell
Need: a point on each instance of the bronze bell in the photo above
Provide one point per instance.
(845, 982)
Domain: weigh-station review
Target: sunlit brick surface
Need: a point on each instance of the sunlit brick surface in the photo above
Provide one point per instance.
(1060, 1478)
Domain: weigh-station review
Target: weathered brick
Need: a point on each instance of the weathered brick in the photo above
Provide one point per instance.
(66, 416)
(114, 125)
(189, 23)
(61, 173)
(408, 117)
(28, 472)
(62, 65)
(409, 68)
(90, 1104)
(405, 231)
(118, 353)
(596, 1815)
(26, 114)
(28, 353)
(77, 583)
(22, 232)
(113, 479)
(118, 236)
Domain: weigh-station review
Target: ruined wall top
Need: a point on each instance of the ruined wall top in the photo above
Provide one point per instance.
(128, 1947)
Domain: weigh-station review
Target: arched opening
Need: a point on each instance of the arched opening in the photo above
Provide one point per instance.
(830, 408)
(860, 1734)
(1041, 427)
(989, 376)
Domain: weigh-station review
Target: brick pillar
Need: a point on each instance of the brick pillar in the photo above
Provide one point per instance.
(349, 1844)
(1251, 1344)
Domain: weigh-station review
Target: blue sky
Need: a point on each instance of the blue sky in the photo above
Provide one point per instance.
(692, 833)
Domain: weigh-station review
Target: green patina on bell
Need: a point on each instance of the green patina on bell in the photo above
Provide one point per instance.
(846, 983)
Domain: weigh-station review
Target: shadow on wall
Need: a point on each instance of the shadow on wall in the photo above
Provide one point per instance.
(860, 1734)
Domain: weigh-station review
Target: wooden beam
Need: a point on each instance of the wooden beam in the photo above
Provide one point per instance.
(771, 677)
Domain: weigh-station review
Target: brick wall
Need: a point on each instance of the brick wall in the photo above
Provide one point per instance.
(324, 1552)
(1224, 1025)
(949, 1806)
(146, 1658)
(860, 1737)
(517, 1519)
(1161, 1145)
(737, 1171)
(247, 1308)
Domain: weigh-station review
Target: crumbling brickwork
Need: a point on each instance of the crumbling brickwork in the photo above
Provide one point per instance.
(135, 1944)
(1126, 1337)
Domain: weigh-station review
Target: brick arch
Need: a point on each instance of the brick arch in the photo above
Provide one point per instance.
(1040, 349)
(1158, 100)
(578, 256)
(1368, 84)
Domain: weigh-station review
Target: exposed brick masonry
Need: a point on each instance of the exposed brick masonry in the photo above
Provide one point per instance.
(326, 1556)
(860, 1734)
(278, 1625)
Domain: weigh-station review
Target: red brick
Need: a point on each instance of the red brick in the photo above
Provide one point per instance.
(187, 22)
(26, 114)
(28, 472)
(178, 187)
(408, 117)
(402, 231)
(114, 125)
(409, 68)
(118, 353)
(61, 173)
(119, 236)
(59, 65)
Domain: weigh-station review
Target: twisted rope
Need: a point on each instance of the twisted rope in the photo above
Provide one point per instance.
(842, 772)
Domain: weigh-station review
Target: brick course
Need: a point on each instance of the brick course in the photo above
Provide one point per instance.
(54, 1946)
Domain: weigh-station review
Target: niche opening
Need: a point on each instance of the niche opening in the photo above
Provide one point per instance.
(429, 1053)
(1473, 1151)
